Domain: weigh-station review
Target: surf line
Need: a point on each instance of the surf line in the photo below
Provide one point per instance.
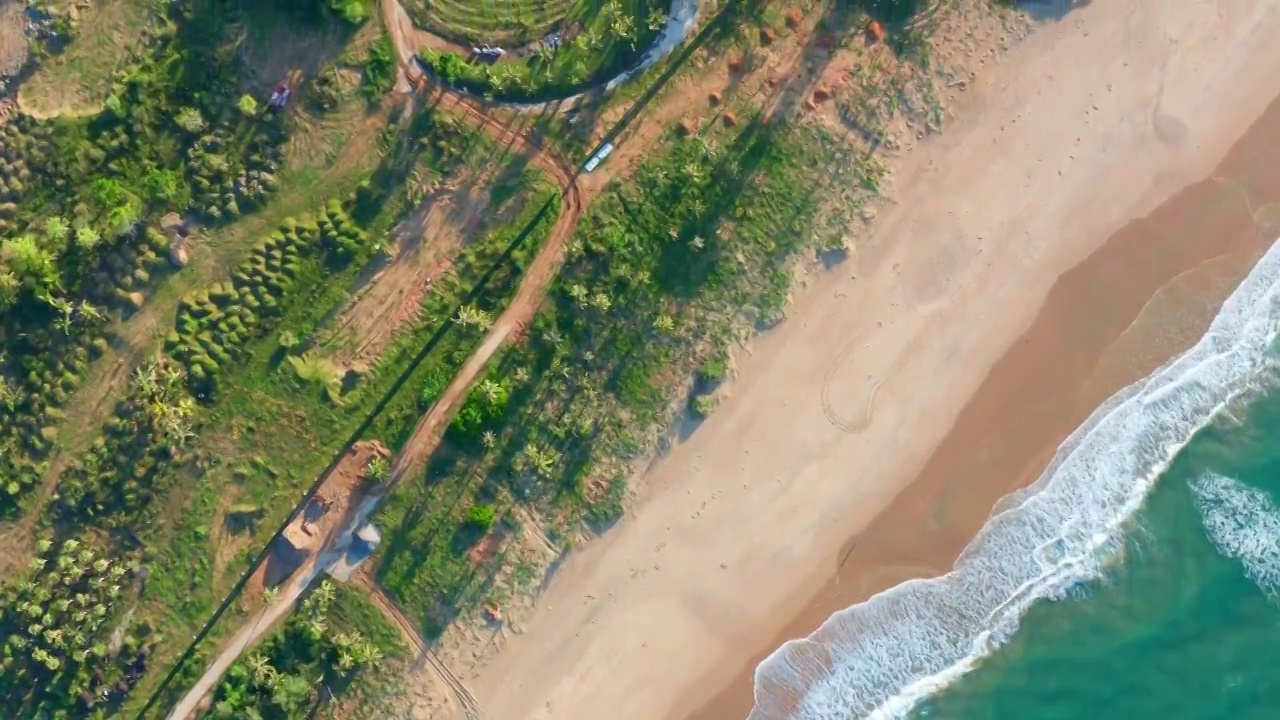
(881, 657)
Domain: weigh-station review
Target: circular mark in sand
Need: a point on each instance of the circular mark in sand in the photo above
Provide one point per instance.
(851, 425)
(1170, 130)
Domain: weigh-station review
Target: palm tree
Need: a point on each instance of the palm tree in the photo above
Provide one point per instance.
(378, 469)
(624, 26)
(87, 238)
(56, 229)
(63, 306)
(264, 673)
(144, 380)
(8, 395)
(471, 316)
(541, 461)
(88, 311)
(657, 20)
(346, 660)
(325, 593)
(315, 627)
(369, 653)
(290, 693)
(490, 389)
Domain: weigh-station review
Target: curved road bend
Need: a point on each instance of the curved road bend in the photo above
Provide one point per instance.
(426, 434)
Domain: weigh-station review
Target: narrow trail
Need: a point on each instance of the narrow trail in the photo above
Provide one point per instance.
(413, 638)
(427, 433)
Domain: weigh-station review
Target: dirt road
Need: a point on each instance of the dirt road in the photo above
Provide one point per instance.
(427, 433)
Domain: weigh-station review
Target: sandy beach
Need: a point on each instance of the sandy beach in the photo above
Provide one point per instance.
(1099, 195)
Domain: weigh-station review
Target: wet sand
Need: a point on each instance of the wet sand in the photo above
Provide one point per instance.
(1002, 298)
(1146, 295)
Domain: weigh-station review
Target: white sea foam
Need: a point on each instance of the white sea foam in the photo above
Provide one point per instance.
(1244, 525)
(879, 658)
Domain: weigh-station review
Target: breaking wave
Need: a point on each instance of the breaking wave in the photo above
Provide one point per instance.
(1244, 525)
(878, 659)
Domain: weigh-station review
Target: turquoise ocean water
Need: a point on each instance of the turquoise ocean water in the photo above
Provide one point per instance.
(1137, 579)
(1185, 624)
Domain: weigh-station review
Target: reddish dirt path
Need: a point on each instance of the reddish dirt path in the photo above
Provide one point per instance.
(426, 435)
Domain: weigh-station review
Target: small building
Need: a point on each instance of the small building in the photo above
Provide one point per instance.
(363, 543)
(369, 535)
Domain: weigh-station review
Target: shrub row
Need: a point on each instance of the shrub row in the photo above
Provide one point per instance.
(227, 181)
(149, 430)
(214, 325)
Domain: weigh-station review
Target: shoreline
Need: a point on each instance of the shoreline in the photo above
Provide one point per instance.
(1183, 276)
(740, 527)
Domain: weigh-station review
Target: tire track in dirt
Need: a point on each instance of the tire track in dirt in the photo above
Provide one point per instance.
(428, 432)
(413, 638)
(537, 277)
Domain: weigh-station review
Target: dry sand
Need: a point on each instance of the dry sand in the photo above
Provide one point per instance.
(896, 358)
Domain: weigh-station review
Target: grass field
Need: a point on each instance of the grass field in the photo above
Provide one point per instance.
(498, 22)
(598, 41)
(271, 432)
(78, 80)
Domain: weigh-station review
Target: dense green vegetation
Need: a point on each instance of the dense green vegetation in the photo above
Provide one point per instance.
(317, 653)
(215, 324)
(67, 653)
(598, 42)
(276, 427)
(74, 243)
(80, 247)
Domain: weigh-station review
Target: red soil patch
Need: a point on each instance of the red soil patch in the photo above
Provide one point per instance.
(339, 493)
(423, 247)
(875, 32)
(487, 548)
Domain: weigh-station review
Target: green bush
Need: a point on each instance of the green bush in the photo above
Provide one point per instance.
(353, 11)
(714, 370)
(435, 383)
(484, 409)
(379, 69)
(480, 518)
(703, 405)
(247, 105)
(610, 507)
